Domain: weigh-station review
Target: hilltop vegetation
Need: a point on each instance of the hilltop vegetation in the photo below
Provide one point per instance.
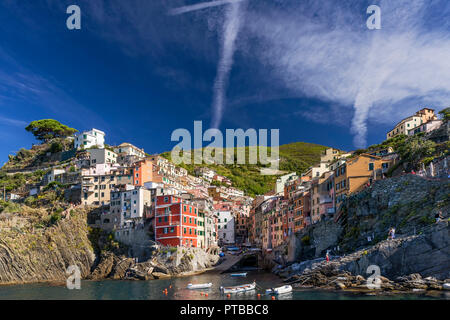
(294, 157)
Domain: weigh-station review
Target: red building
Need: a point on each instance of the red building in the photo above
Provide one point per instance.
(175, 221)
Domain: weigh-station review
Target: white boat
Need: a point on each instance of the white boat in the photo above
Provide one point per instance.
(199, 286)
(241, 288)
(280, 290)
(240, 274)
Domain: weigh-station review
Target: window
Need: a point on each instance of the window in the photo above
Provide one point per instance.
(371, 166)
(184, 231)
(184, 219)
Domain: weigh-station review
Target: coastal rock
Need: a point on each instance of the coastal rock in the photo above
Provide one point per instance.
(340, 285)
(44, 254)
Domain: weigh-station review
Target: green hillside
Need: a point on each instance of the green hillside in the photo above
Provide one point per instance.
(294, 157)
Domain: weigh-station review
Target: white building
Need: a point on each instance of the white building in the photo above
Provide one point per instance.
(225, 227)
(281, 181)
(99, 169)
(426, 127)
(100, 156)
(88, 139)
(51, 175)
(129, 149)
(127, 207)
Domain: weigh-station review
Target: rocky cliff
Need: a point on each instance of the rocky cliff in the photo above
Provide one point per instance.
(408, 203)
(29, 253)
(38, 247)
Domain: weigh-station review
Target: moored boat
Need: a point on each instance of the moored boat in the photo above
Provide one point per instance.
(280, 290)
(240, 274)
(237, 289)
(199, 285)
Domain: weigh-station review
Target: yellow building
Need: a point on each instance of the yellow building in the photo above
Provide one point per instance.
(96, 190)
(353, 175)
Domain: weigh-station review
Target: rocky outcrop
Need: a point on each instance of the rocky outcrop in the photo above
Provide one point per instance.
(427, 254)
(165, 262)
(417, 262)
(34, 251)
(45, 255)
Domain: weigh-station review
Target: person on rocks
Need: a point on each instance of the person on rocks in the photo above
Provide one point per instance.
(391, 234)
(327, 256)
(439, 216)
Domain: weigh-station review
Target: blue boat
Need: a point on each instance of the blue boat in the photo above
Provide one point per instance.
(241, 274)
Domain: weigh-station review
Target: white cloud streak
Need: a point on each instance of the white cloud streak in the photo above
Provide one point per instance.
(326, 52)
(233, 20)
(201, 6)
(230, 31)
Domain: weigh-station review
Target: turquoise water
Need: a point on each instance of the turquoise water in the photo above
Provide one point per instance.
(153, 290)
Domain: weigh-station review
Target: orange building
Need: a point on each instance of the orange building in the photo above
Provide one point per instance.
(143, 172)
(175, 221)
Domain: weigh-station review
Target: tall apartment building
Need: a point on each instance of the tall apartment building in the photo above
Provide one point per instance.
(143, 172)
(225, 227)
(96, 189)
(129, 206)
(175, 221)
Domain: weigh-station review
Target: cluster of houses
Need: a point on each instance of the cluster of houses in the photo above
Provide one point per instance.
(133, 189)
(136, 191)
(301, 200)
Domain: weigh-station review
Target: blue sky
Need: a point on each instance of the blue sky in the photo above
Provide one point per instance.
(139, 70)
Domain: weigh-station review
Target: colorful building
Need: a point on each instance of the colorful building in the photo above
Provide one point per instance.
(143, 172)
(412, 122)
(356, 173)
(175, 221)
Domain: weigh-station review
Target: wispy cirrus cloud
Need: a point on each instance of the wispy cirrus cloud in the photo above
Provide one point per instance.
(12, 122)
(200, 6)
(325, 51)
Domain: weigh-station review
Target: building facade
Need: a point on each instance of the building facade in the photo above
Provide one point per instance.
(175, 221)
(88, 139)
